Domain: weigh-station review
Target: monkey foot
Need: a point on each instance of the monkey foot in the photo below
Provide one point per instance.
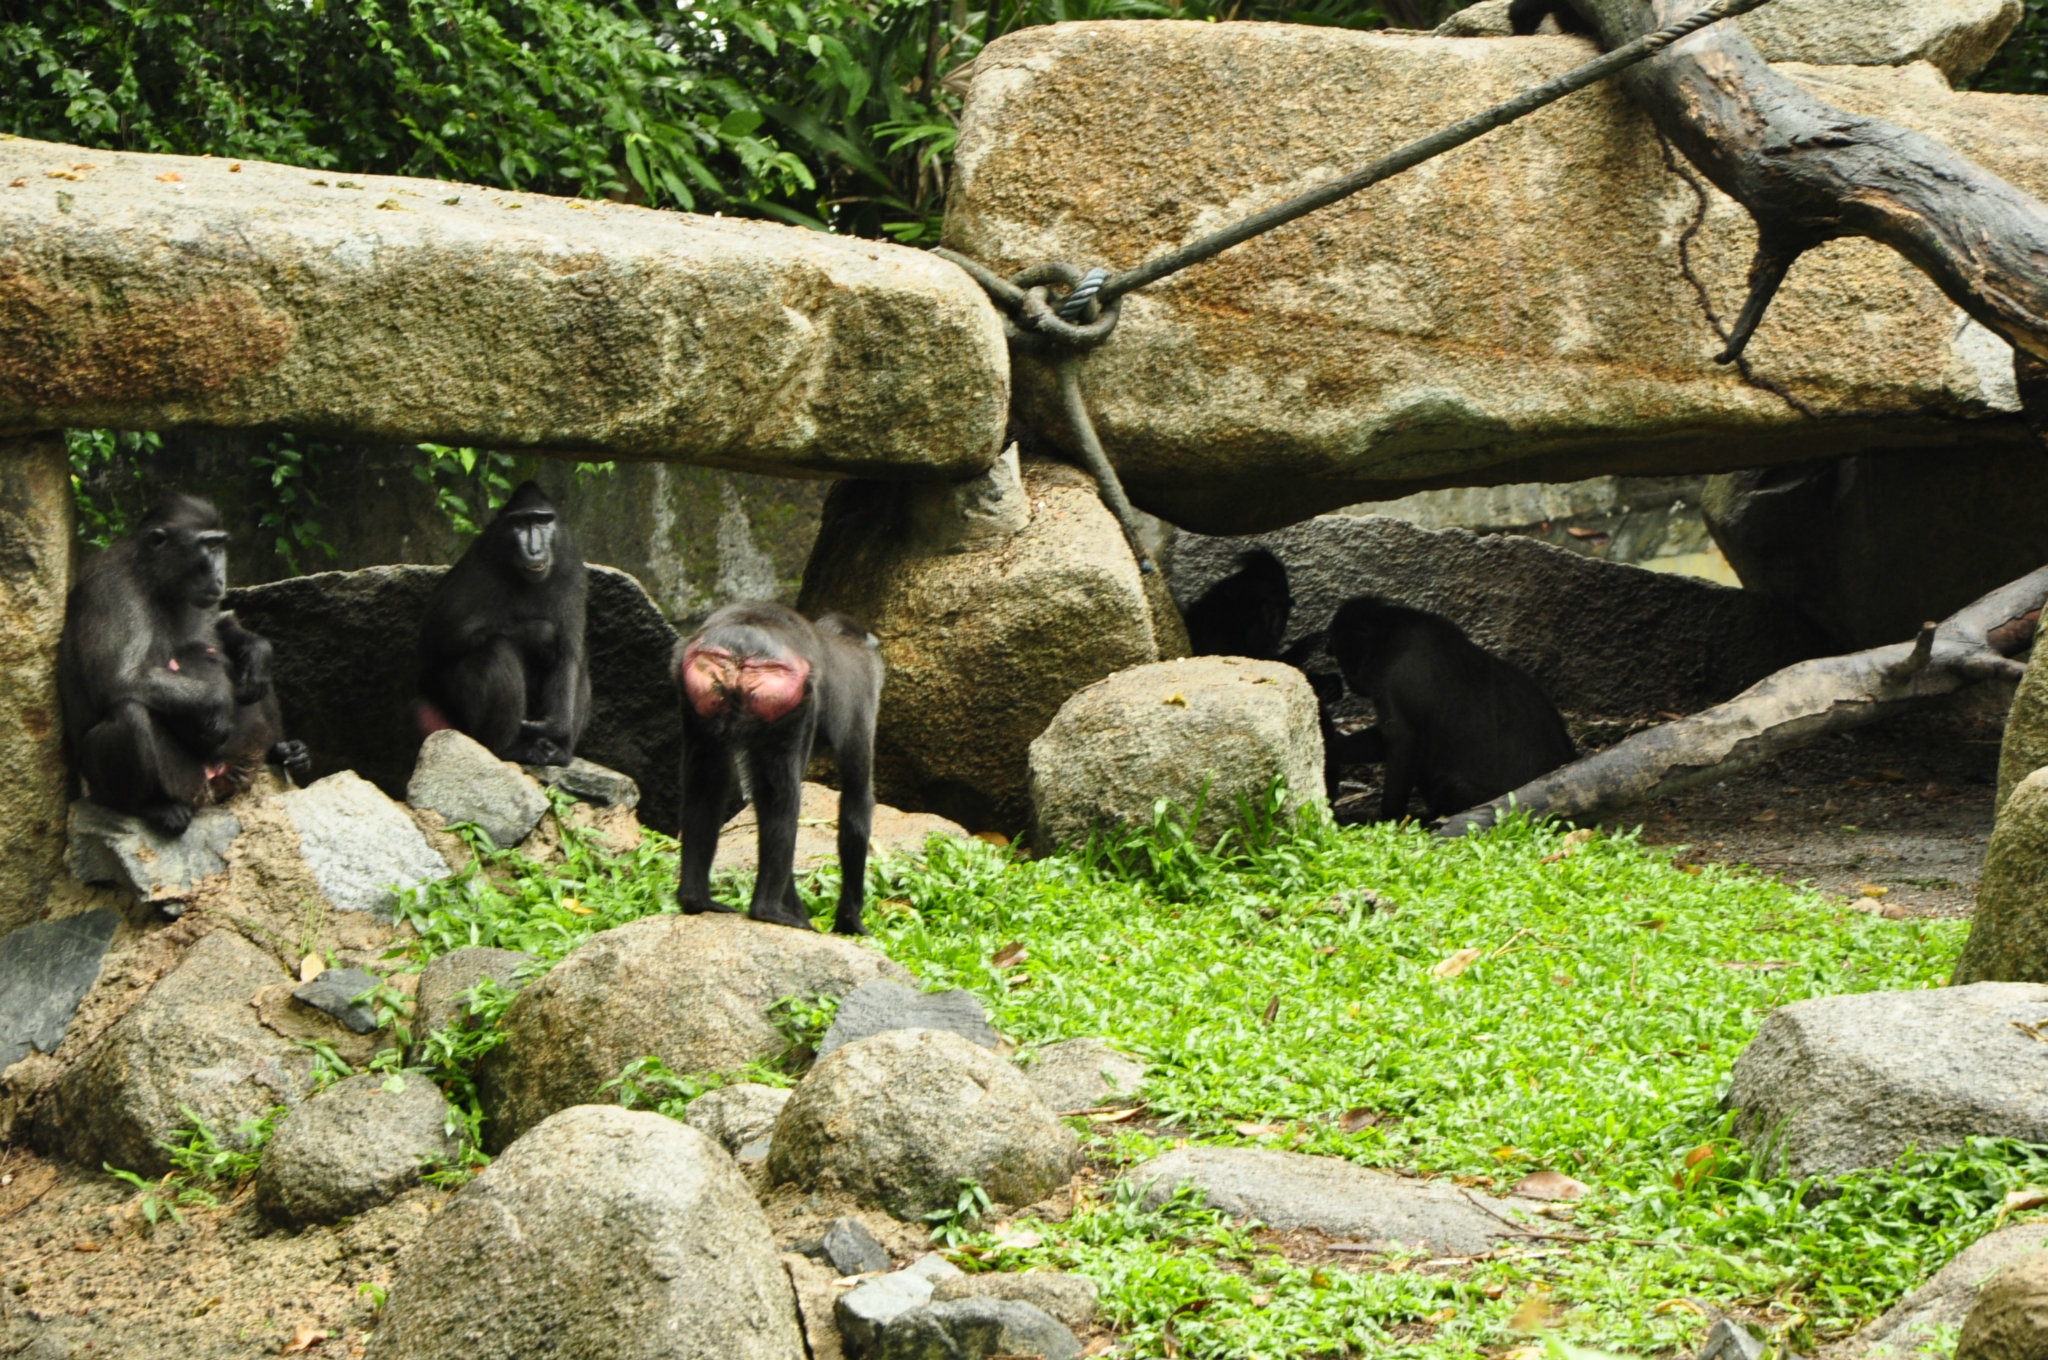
(842, 926)
(169, 818)
(793, 922)
(689, 907)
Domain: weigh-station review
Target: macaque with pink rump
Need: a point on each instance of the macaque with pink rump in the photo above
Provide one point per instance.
(760, 683)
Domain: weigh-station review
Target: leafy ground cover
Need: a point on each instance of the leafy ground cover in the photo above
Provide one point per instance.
(1475, 1009)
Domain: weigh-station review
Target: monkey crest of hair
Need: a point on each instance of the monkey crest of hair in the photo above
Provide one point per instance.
(721, 680)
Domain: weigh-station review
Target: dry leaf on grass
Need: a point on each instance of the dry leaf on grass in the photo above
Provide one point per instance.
(995, 838)
(311, 966)
(1456, 963)
(304, 1339)
(1356, 1118)
(1009, 954)
(2033, 1197)
(1534, 1313)
(1549, 1185)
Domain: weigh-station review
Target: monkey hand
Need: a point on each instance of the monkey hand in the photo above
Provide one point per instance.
(296, 759)
(252, 688)
(540, 744)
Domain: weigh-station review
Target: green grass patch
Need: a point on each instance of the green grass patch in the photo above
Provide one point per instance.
(1483, 1008)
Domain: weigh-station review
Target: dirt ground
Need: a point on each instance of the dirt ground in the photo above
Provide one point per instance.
(1903, 805)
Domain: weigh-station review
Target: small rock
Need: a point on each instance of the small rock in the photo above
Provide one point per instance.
(1915, 1324)
(815, 1297)
(1729, 1340)
(1070, 1298)
(692, 990)
(362, 847)
(335, 991)
(107, 847)
(879, 1006)
(900, 1118)
(972, 1327)
(852, 1249)
(192, 1046)
(352, 1147)
(934, 1267)
(459, 778)
(2009, 1321)
(44, 970)
(439, 1005)
(1839, 1083)
(588, 782)
(1203, 732)
(739, 1115)
(866, 1310)
(602, 1232)
(1084, 1074)
(1288, 1190)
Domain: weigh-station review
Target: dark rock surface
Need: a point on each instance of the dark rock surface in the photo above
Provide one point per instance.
(1073, 1299)
(589, 781)
(335, 991)
(1599, 637)
(851, 1249)
(348, 670)
(964, 1329)
(457, 777)
(438, 1002)
(44, 970)
(875, 1007)
(108, 847)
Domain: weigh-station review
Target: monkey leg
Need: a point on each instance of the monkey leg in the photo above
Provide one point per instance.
(1400, 774)
(486, 696)
(707, 787)
(776, 772)
(856, 825)
(133, 765)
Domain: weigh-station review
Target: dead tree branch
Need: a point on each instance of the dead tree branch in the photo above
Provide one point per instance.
(1787, 710)
(1809, 172)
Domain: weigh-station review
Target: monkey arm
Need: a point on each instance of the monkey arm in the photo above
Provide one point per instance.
(251, 656)
(1809, 172)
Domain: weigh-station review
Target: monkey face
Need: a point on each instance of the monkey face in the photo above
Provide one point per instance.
(532, 542)
(720, 682)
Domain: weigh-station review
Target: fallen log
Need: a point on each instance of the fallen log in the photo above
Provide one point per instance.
(1809, 172)
(1781, 712)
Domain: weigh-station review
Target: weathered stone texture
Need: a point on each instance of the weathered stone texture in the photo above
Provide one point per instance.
(35, 574)
(1514, 311)
(2009, 933)
(143, 292)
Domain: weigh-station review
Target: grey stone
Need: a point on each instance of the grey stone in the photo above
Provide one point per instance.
(1959, 36)
(38, 513)
(458, 778)
(1084, 1074)
(1209, 734)
(852, 1249)
(874, 1007)
(588, 781)
(900, 1118)
(1729, 1340)
(865, 1311)
(692, 990)
(348, 674)
(352, 1147)
(44, 971)
(362, 847)
(1598, 637)
(568, 324)
(107, 847)
(2008, 939)
(438, 1004)
(1871, 547)
(1070, 1298)
(738, 1115)
(2025, 748)
(1292, 378)
(335, 991)
(2009, 1320)
(1292, 1190)
(1053, 607)
(602, 1232)
(934, 1267)
(1939, 1306)
(193, 1044)
(1842, 1083)
(966, 1329)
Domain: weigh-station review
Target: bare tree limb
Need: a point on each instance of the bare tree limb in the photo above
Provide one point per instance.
(1809, 172)
(1787, 710)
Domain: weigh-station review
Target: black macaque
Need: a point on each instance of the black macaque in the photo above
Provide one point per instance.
(1525, 16)
(760, 683)
(1455, 721)
(167, 700)
(501, 646)
(1245, 613)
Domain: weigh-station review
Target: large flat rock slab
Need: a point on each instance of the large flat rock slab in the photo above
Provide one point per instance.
(1842, 1083)
(1515, 311)
(1287, 1190)
(817, 832)
(147, 292)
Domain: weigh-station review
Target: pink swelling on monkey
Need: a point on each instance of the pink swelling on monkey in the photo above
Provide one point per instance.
(760, 683)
